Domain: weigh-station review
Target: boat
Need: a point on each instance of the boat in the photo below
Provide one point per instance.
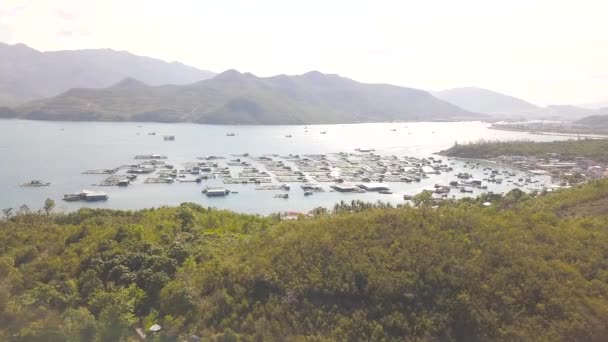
(152, 133)
(169, 137)
(343, 187)
(36, 183)
(230, 134)
(216, 191)
(123, 182)
(311, 187)
(71, 197)
(288, 136)
(374, 187)
(323, 132)
(281, 196)
(308, 193)
(408, 197)
(385, 192)
(93, 196)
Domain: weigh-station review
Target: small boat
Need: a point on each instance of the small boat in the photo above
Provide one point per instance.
(323, 132)
(281, 196)
(288, 136)
(385, 192)
(152, 133)
(123, 182)
(36, 183)
(408, 197)
(169, 137)
(230, 134)
(308, 193)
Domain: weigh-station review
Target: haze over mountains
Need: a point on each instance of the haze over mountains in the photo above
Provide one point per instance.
(27, 74)
(507, 107)
(106, 85)
(243, 98)
(485, 101)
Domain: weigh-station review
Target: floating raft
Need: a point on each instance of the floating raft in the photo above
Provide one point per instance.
(246, 180)
(150, 156)
(100, 172)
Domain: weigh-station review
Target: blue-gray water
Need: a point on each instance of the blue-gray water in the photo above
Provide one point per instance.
(59, 152)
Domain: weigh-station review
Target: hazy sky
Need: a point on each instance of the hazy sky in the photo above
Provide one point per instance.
(545, 51)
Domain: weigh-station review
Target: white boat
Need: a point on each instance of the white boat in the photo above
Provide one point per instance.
(216, 191)
(93, 196)
(86, 195)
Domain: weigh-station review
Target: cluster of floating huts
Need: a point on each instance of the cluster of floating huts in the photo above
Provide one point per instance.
(360, 171)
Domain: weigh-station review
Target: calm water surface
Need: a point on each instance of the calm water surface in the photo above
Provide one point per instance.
(59, 152)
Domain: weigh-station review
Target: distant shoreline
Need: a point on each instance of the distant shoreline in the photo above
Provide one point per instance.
(246, 124)
(549, 132)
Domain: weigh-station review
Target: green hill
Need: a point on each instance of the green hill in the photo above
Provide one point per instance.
(596, 149)
(242, 98)
(520, 269)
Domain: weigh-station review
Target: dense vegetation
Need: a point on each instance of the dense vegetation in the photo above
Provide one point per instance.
(590, 148)
(524, 268)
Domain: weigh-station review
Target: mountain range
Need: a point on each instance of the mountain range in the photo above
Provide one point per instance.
(485, 101)
(233, 97)
(104, 84)
(505, 107)
(27, 74)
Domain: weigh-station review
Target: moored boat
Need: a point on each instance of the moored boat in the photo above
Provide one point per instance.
(36, 183)
(93, 196)
(71, 197)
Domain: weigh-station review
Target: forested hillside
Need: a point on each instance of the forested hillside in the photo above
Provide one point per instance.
(245, 99)
(569, 149)
(524, 268)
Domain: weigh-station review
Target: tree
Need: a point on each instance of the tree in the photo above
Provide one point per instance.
(24, 210)
(78, 325)
(49, 205)
(425, 197)
(186, 215)
(8, 212)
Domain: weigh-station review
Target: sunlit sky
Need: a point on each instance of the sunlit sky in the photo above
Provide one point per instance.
(545, 51)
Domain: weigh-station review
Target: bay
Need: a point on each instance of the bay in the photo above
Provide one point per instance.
(59, 152)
